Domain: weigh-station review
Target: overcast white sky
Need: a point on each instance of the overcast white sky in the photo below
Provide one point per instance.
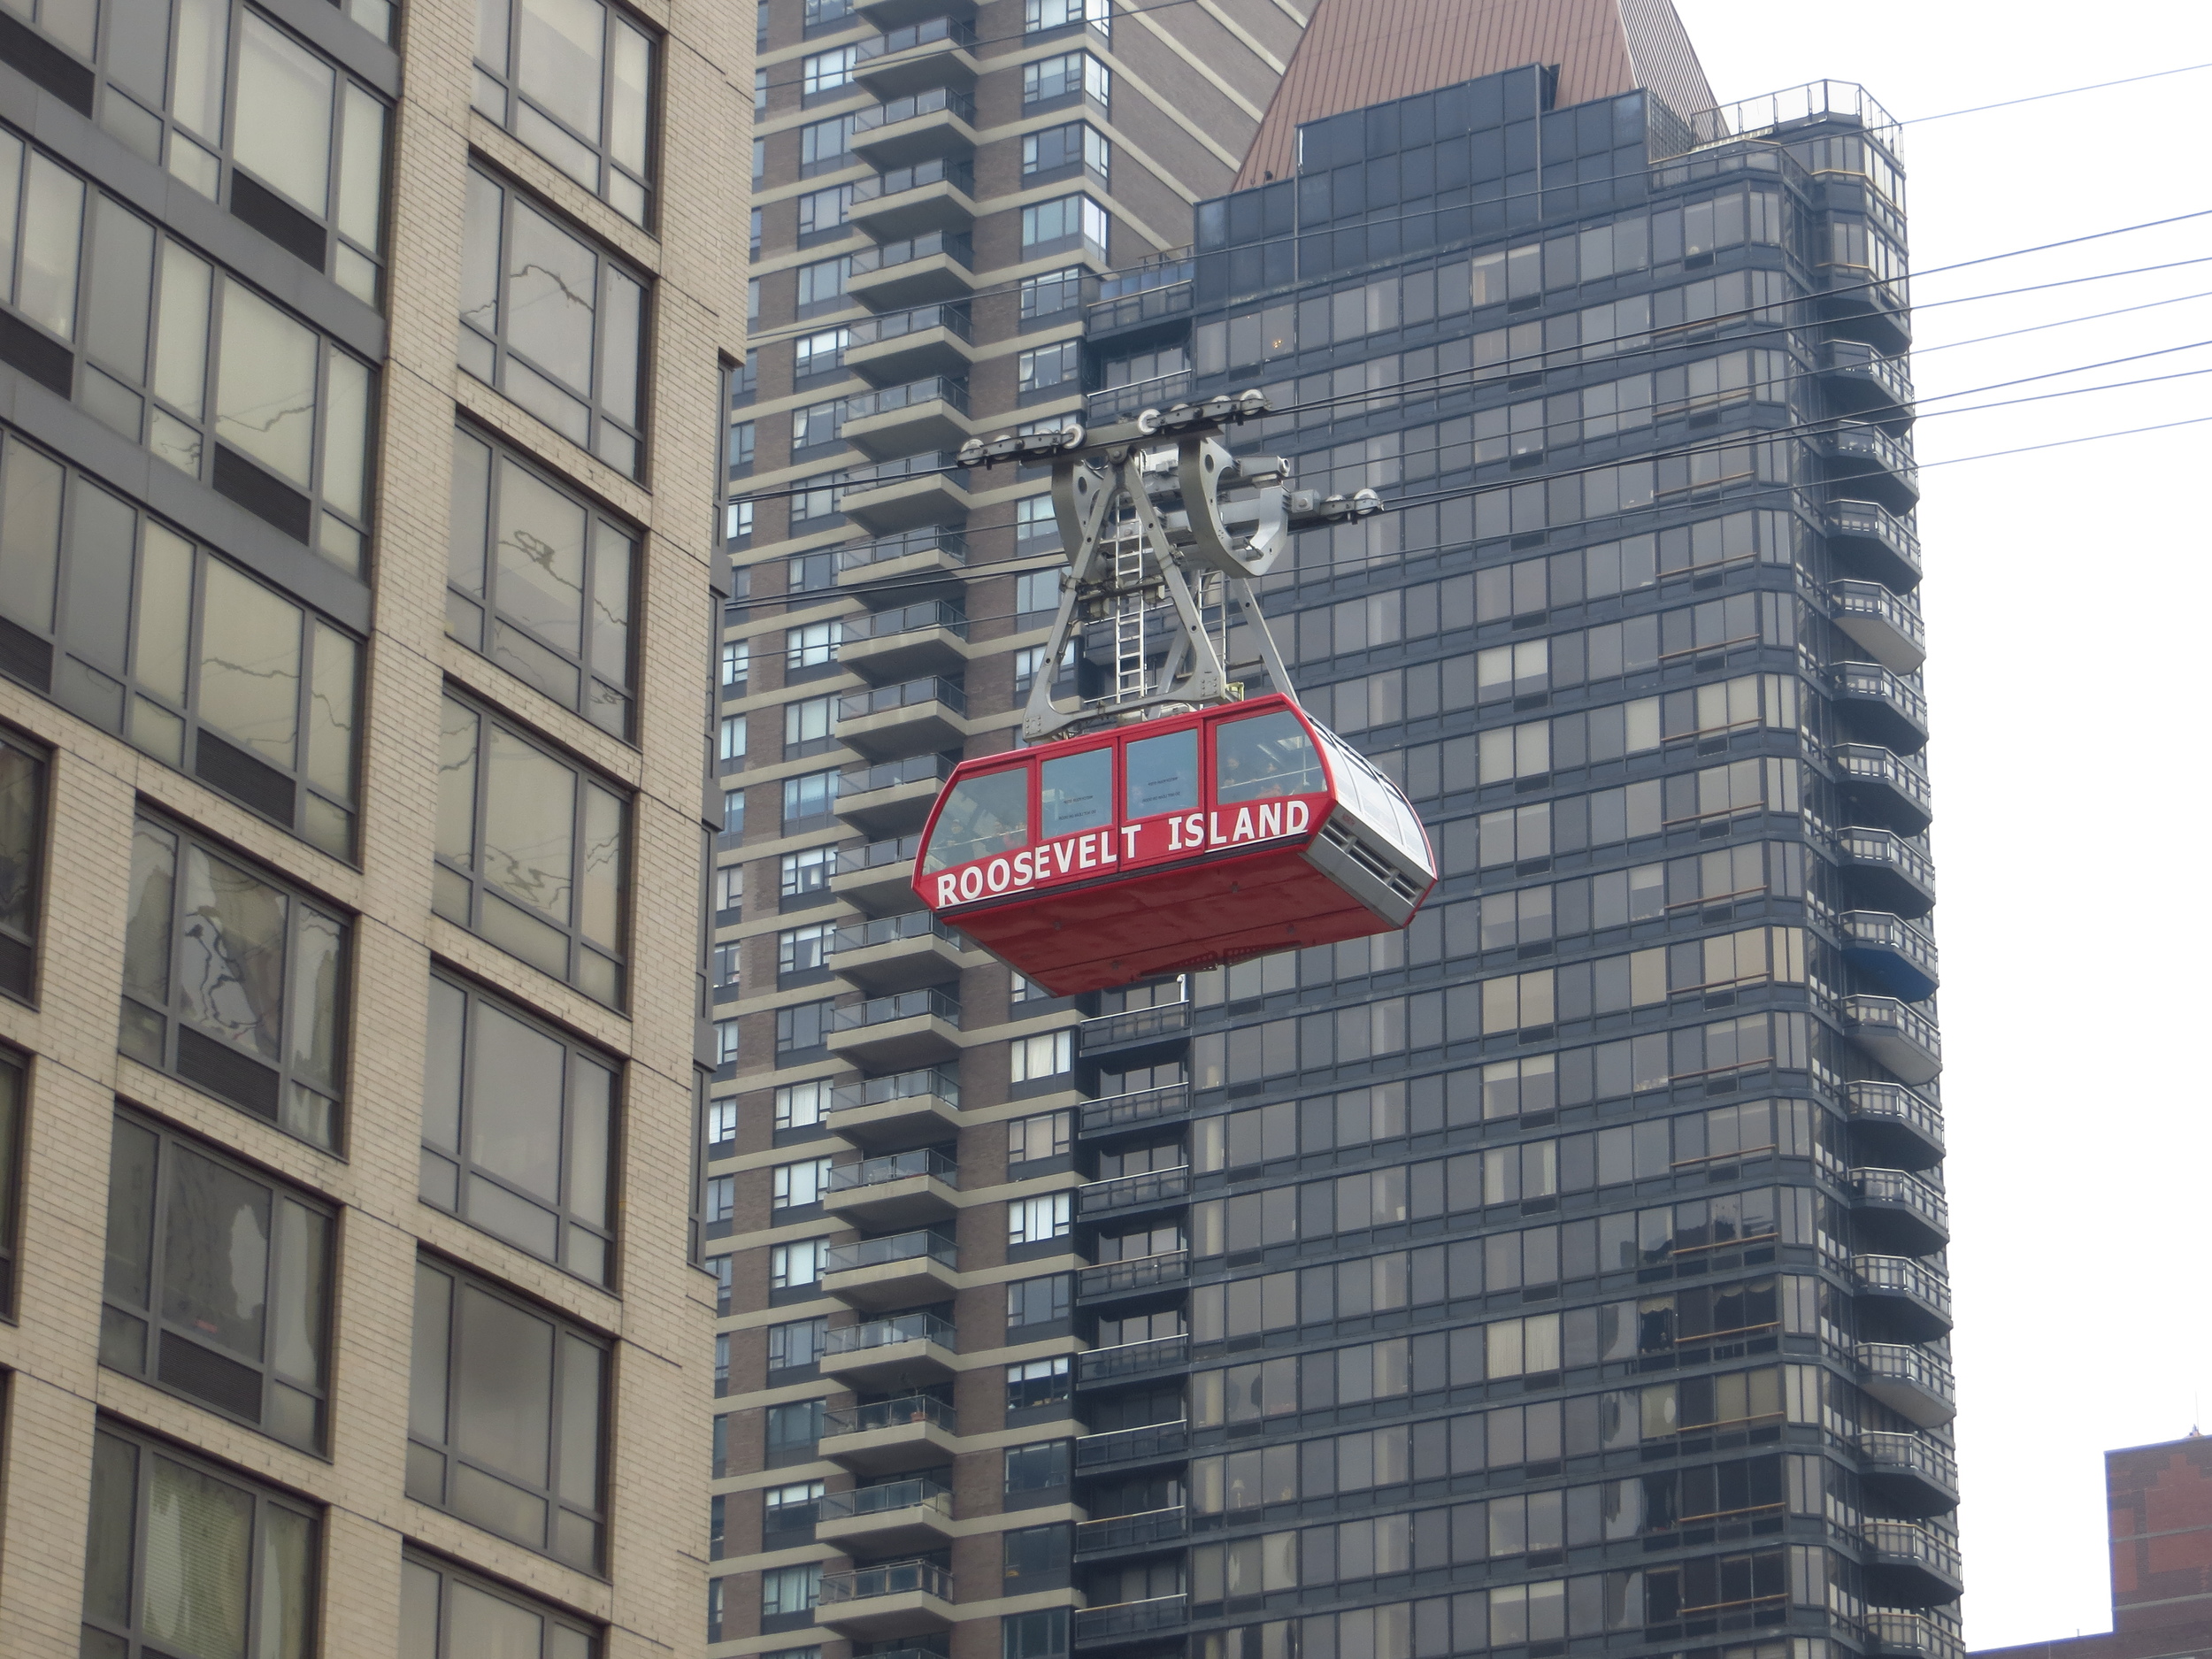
(2067, 595)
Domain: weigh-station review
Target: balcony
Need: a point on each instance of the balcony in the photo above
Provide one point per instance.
(914, 717)
(890, 1436)
(1882, 866)
(892, 798)
(1115, 1534)
(1910, 1381)
(1866, 383)
(876, 1274)
(1909, 1564)
(936, 51)
(1111, 1281)
(898, 1518)
(912, 1028)
(1158, 1357)
(1124, 1621)
(898, 953)
(1891, 951)
(901, 494)
(900, 1189)
(1908, 1300)
(1909, 1472)
(1132, 306)
(1897, 1212)
(926, 414)
(936, 195)
(1111, 402)
(885, 1114)
(908, 1351)
(1877, 541)
(1127, 1035)
(899, 132)
(1885, 625)
(918, 560)
(920, 270)
(1131, 1194)
(1885, 707)
(1901, 1130)
(1887, 785)
(929, 637)
(903, 345)
(1897, 1634)
(1123, 1450)
(1140, 1108)
(1902, 1040)
(877, 876)
(890, 14)
(901, 1598)
(1873, 463)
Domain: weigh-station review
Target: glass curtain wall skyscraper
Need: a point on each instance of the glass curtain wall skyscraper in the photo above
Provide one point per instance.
(1566, 1274)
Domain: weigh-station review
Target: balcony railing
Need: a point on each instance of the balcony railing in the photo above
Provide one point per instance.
(875, 855)
(929, 463)
(1134, 1192)
(1143, 1444)
(1887, 847)
(955, 171)
(1900, 1363)
(886, 625)
(897, 1578)
(1869, 762)
(929, 32)
(1132, 1532)
(883, 1010)
(896, 1166)
(925, 1084)
(899, 1247)
(1886, 1016)
(942, 539)
(1868, 446)
(890, 1414)
(1119, 1619)
(1169, 300)
(1911, 1635)
(892, 111)
(1160, 270)
(1909, 1453)
(1137, 1023)
(1140, 1106)
(1161, 388)
(919, 1493)
(1860, 360)
(907, 1327)
(1116, 1279)
(1848, 597)
(1133, 1359)
(857, 705)
(889, 930)
(871, 331)
(1895, 1103)
(1869, 521)
(1901, 1275)
(888, 400)
(1871, 680)
(1901, 1189)
(1910, 1541)
(956, 245)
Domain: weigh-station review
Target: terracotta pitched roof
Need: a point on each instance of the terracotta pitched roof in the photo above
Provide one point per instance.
(1358, 52)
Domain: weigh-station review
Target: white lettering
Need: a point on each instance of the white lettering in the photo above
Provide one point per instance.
(1194, 830)
(1214, 837)
(1175, 835)
(1243, 831)
(1063, 852)
(948, 889)
(1129, 839)
(1022, 874)
(972, 883)
(1271, 819)
(1298, 818)
(999, 876)
(1086, 854)
(1106, 848)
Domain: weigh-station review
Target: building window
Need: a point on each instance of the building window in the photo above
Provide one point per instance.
(234, 983)
(1055, 368)
(1065, 76)
(1065, 222)
(818, 424)
(1046, 1055)
(795, 1184)
(11, 1175)
(806, 872)
(804, 950)
(306, 154)
(519, 1131)
(447, 1614)
(737, 666)
(813, 646)
(822, 353)
(729, 747)
(485, 1366)
(821, 14)
(733, 816)
(1037, 1220)
(1045, 1136)
(753, 235)
(554, 322)
(1057, 147)
(1040, 15)
(809, 795)
(213, 379)
(1036, 1558)
(186, 1557)
(1038, 1634)
(218, 1282)
(721, 1199)
(1037, 1382)
(794, 1266)
(825, 146)
(737, 525)
(824, 212)
(809, 727)
(1039, 1465)
(576, 85)
(209, 670)
(785, 1507)
(787, 1592)
(531, 852)
(797, 1343)
(823, 283)
(553, 572)
(822, 72)
(760, 154)
(22, 836)
(1039, 1300)
(721, 1130)
(1051, 294)
(729, 893)
(743, 441)
(1035, 521)
(727, 974)
(726, 1042)
(793, 1427)
(1036, 594)
(801, 1105)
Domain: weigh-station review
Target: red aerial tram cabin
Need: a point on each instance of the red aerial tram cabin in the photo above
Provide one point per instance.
(1172, 845)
